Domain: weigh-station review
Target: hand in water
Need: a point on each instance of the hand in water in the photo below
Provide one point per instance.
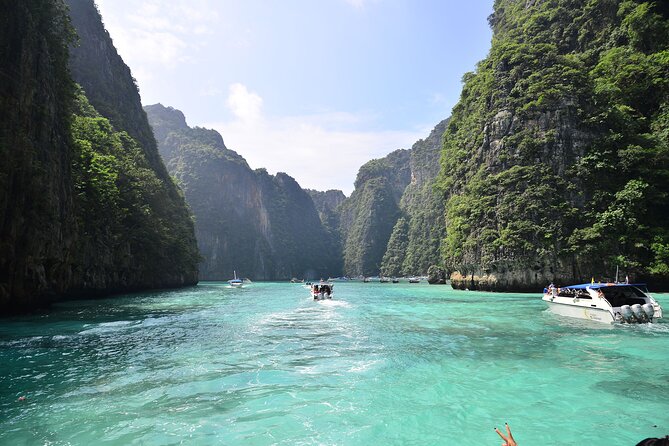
(508, 439)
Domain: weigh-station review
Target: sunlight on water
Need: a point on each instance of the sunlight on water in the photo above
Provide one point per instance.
(379, 364)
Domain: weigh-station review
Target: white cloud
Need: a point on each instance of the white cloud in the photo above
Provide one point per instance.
(321, 151)
(244, 104)
(152, 46)
(150, 31)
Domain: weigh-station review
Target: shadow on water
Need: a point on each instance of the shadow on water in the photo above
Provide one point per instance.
(649, 388)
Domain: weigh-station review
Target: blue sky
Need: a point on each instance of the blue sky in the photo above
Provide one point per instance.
(295, 83)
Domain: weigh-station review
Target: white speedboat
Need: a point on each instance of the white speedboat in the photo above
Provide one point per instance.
(236, 283)
(414, 279)
(322, 290)
(629, 303)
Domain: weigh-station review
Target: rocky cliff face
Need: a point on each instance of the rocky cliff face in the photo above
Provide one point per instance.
(554, 157)
(393, 222)
(85, 209)
(153, 242)
(368, 216)
(414, 243)
(231, 225)
(327, 204)
(37, 230)
(261, 226)
(108, 82)
(301, 246)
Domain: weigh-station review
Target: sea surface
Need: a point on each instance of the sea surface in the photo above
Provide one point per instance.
(380, 364)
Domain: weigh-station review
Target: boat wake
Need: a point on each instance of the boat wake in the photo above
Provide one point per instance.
(333, 303)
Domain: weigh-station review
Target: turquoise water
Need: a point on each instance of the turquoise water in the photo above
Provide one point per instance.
(381, 364)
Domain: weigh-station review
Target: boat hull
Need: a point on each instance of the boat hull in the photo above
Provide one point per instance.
(581, 312)
(322, 296)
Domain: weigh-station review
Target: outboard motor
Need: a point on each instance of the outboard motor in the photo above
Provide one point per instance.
(627, 314)
(649, 310)
(638, 312)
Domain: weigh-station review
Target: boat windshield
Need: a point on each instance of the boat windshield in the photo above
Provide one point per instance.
(624, 295)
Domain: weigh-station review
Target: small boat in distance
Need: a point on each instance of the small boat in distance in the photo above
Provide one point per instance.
(414, 279)
(322, 290)
(629, 303)
(237, 283)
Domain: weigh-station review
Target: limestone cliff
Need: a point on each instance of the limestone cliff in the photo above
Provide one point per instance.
(327, 204)
(153, 242)
(555, 159)
(414, 244)
(99, 69)
(85, 210)
(263, 227)
(37, 230)
(368, 216)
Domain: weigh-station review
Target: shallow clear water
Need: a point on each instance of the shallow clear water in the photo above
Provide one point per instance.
(392, 364)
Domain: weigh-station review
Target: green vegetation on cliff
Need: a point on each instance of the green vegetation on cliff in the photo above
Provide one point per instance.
(150, 235)
(396, 250)
(300, 244)
(556, 159)
(422, 228)
(264, 227)
(368, 216)
(111, 90)
(327, 204)
(127, 216)
(86, 209)
(392, 224)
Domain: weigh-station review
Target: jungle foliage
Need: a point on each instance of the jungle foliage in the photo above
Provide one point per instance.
(422, 210)
(87, 208)
(557, 154)
(125, 209)
(368, 216)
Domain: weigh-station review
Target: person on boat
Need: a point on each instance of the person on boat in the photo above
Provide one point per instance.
(551, 289)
